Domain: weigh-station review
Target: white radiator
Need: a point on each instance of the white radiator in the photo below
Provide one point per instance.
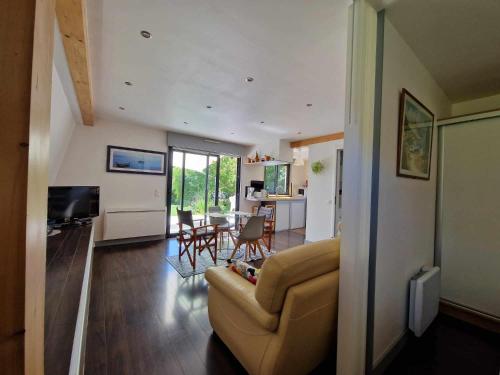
(134, 222)
(424, 299)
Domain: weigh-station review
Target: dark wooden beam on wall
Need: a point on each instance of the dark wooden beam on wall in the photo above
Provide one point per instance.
(72, 20)
(26, 40)
(321, 139)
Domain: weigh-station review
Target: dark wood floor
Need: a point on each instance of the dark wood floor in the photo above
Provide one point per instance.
(146, 319)
(450, 346)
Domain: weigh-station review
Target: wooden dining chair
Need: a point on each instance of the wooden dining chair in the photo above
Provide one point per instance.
(250, 235)
(201, 238)
(269, 224)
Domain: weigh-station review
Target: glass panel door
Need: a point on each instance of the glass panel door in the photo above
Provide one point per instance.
(198, 181)
(195, 167)
(228, 182)
(213, 181)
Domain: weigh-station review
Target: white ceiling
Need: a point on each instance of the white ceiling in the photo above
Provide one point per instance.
(457, 40)
(202, 51)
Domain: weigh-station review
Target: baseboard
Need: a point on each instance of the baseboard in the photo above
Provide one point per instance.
(124, 241)
(381, 366)
(471, 316)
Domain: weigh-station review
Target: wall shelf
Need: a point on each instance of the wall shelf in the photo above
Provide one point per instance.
(268, 163)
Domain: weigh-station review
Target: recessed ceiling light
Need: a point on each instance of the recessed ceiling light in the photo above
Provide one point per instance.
(309, 104)
(209, 106)
(186, 123)
(146, 34)
(262, 122)
(232, 133)
(122, 108)
(299, 133)
(249, 79)
(128, 83)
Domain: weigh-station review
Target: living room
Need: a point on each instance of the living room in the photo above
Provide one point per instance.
(232, 144)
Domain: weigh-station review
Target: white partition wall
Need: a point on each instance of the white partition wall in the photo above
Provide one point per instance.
(468, 246)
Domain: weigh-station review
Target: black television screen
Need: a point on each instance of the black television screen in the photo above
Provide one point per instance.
(73, 202)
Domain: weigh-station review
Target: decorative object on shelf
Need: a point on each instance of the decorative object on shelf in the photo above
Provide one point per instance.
(416, 124)
(317, 167)
(132, 160)
(259, 158)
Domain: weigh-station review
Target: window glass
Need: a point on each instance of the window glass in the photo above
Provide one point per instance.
(276, 179)
(282, 179)
(270, 179)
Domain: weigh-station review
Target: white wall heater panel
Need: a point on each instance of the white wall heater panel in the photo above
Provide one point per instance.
(424, 299)
(134, 222)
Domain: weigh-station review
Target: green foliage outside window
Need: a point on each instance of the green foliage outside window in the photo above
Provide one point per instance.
(276, 178)
(194, 189)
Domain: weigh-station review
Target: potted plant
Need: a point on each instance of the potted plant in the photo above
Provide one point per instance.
(317, 167)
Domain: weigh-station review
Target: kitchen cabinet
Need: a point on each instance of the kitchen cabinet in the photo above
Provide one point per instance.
(297, 214)
(282, 215)
(290, 212)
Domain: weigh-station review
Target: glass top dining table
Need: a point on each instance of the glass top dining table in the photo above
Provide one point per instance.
(231, 214)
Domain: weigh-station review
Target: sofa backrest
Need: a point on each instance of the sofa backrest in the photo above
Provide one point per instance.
(292, 267)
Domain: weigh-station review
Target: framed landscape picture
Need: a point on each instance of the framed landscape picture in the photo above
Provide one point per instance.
(416, 124)
(132, 160)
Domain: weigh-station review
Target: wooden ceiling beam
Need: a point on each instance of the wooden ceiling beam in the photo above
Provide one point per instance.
(321, 139)
(72, 19)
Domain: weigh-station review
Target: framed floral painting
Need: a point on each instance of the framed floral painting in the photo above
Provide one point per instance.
(416, 125)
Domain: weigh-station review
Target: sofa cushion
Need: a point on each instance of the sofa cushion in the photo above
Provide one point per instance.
(292, 267)
(245, 270)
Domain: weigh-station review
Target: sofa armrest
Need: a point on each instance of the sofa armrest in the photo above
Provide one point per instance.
(242, 293)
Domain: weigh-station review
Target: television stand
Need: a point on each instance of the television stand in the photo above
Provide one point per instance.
(67, 293)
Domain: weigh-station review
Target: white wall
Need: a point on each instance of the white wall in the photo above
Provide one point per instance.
(321, 191)
(298, 176)
(62, 125)
(85, 164)
(488, 103)
(405, 239)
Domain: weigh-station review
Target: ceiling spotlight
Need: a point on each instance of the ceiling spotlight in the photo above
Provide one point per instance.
(232, 133)
(186, 123)
(249, 79)
(262, 122)
(209, 106)
(128, 83)
(122, 108)
(309, 104)
(299, 133)
(146, 34)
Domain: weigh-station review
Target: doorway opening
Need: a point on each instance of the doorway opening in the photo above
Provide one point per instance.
(197, 181)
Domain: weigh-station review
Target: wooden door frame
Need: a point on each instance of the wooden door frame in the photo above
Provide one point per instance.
(25, 104)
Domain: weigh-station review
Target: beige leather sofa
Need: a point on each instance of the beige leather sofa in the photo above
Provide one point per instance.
(286, 324)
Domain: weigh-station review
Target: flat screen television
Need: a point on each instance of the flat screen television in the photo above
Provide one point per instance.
(72, 202)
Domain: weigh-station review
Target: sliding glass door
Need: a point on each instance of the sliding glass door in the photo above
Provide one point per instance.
(197, 181)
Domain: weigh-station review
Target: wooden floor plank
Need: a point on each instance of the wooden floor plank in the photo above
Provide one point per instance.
(146, 319)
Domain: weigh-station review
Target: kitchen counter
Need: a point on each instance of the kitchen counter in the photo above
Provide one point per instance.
(273, 198)
(290, 212)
